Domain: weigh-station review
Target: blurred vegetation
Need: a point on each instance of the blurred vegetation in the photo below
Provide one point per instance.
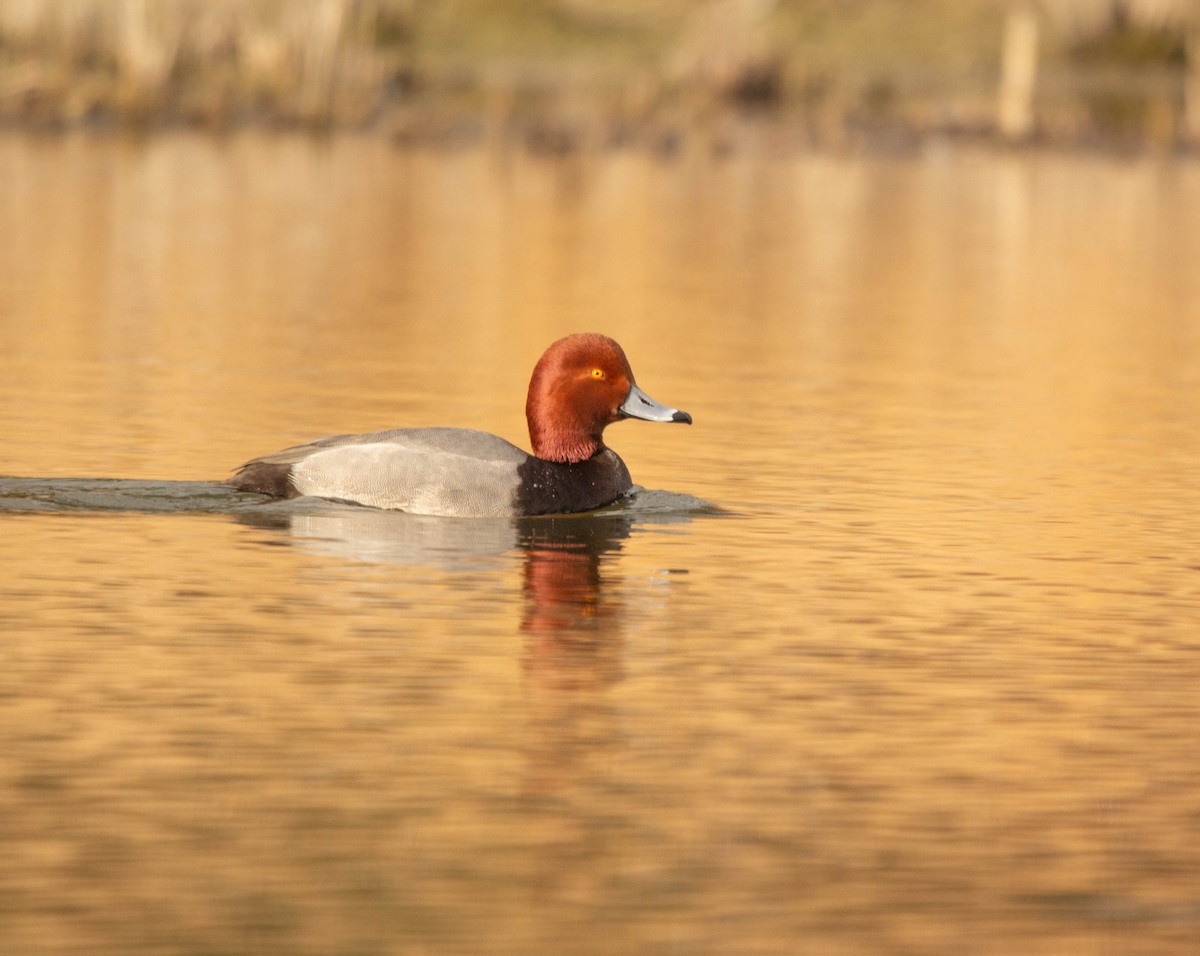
(567, 74)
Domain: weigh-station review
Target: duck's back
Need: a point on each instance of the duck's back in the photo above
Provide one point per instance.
(436, 471)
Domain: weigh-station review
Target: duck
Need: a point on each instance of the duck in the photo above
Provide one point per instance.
(582, 384)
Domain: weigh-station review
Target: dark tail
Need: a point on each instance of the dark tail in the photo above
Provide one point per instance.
(265, 478)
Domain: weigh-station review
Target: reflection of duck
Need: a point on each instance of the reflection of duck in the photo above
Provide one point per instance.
(572, 622)
(336, 529)
(582, 384)
(573, 626)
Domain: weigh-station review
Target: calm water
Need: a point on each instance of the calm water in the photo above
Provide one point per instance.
(928, 682)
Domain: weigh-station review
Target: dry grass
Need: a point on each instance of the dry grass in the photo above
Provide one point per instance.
(567, 73)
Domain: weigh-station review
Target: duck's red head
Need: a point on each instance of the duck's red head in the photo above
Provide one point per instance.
(582, 384)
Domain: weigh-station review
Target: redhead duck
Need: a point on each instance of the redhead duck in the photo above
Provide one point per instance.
(581, 384)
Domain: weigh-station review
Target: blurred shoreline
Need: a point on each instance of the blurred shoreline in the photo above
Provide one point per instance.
(569, 75)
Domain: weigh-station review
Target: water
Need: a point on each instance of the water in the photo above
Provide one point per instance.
(899, 653)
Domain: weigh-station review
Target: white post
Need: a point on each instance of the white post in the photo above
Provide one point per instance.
(1191, 89)
(1018, 73)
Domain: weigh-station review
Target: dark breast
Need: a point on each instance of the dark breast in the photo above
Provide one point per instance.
(550, 487)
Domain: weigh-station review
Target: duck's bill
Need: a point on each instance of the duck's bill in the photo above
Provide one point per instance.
(638, 404)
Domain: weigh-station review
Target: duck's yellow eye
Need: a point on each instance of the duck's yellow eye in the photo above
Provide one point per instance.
(597, 373)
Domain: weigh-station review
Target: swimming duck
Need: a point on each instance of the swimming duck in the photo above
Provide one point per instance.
(580, 385)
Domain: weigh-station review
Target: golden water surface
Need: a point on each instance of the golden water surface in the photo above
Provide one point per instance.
(929, 683)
